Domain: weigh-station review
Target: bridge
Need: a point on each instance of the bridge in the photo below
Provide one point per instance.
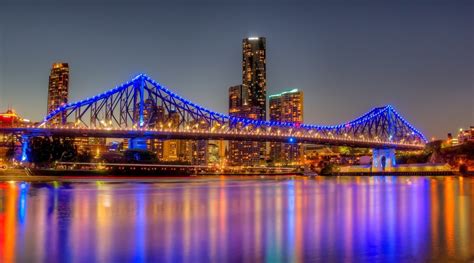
(142, 109)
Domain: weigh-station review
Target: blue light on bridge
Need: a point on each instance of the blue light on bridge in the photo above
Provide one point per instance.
(187, 105)
(24, 148)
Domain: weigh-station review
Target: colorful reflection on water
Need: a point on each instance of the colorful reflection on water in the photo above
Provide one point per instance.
(228, 219)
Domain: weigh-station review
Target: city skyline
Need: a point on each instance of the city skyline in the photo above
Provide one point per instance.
(237, 130)
(324, 92)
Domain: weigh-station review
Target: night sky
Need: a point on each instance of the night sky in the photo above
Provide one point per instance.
(347, 56)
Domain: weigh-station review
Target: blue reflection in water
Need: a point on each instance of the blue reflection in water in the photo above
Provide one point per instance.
(22, 204)
(291, 213)
(355, 219)
(64, 201)
(140, 225)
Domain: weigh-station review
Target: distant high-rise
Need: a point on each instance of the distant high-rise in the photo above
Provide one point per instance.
(254, 75)
(58, 89)
(249, 100)
(286, 107)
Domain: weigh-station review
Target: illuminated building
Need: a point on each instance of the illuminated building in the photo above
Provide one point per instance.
(254, 77)
(58, 90)
(174, 150)
(242, 152)
(249, 100)
(286, 107)
(465, 136)
(217, 152)
(194, 152)
(11, 119)
(94, 145)
(10, 141)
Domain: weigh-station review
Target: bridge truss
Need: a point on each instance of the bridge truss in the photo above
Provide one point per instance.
(142, 105)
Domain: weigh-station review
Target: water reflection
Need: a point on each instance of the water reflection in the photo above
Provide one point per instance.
(388, 219)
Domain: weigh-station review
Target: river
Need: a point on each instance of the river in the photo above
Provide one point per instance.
(239, 219)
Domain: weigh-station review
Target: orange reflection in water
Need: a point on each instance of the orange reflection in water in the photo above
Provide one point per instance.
(224, 219)
(8, 221)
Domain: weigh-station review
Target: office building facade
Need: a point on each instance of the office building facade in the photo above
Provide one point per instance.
(286, 107)
(248, 100)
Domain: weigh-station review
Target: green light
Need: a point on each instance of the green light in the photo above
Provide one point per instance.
(283, 93)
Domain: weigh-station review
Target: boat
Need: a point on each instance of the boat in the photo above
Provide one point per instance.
(115, 169)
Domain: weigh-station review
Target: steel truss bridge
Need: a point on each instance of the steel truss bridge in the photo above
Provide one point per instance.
(143, 108)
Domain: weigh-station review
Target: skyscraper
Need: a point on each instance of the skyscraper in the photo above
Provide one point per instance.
(254, 76)
(286, 107)
(58, 89)
(249, 100)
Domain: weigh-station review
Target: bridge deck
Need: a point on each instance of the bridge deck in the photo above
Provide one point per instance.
(205, 135)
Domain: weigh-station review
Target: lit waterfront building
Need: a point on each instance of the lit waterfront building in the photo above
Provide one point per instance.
(11, 119)
(174, 150)
(96, 146)
(248, 100)
(286, 107)
(10, 141)
(189, 151)
(58, 89)
(242, 152)
(216, 154)
(465, 136)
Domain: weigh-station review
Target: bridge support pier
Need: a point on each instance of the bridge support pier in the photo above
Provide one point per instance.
(383, 160)
(137, 143)
(24, 147)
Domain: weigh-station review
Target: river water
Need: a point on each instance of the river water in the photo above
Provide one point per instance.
(239, 219)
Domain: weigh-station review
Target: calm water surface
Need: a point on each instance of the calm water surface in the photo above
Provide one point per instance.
(230, 219)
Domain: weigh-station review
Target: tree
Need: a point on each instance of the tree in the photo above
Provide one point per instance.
(39, 149)
(10, 154)
(46, 150)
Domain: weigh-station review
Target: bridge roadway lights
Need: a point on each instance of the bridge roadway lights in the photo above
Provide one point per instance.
(137, 144)
(383, 160)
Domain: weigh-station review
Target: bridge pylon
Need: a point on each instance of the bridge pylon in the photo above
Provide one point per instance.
(383, 160)
(138, 143)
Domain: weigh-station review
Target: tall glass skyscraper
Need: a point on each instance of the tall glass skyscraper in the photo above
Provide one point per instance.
(58, 89)
(254, 75)
(249, 100)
